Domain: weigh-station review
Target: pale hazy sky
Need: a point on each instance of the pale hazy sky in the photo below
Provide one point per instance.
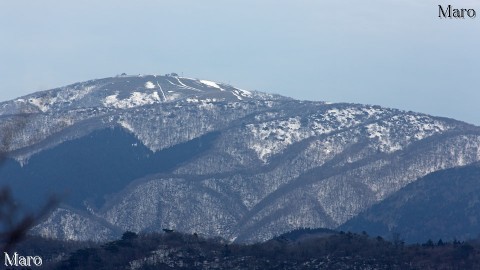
(391, 53)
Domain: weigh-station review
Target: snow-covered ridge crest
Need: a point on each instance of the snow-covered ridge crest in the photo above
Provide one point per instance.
(395, 133)
(125, 92)
(389, 130)
(46, 100)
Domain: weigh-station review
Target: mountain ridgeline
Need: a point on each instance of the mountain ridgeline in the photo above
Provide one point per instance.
(144, 153)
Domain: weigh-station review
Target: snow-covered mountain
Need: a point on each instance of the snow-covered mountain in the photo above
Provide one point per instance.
(144, 153)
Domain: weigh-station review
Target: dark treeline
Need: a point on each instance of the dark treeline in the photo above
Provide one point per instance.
(301, 249)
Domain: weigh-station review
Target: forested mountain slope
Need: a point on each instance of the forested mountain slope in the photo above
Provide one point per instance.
(143, 153)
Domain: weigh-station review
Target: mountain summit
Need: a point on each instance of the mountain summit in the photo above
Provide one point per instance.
(123, 92)
(143, 153)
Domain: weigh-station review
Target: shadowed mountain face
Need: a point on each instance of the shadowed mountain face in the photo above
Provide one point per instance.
(94, 166)
(143, 153)
(442, 205)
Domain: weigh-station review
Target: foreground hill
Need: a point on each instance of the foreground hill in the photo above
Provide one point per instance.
(442, 205)
(312, 249)
(143, 153)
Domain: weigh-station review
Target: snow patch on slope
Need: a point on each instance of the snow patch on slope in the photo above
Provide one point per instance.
(40, 103)
(240, 94)
(382, 135)
(126, 126)
(66, 95)
(149, 85)
(211, 84)
(136, 99)
(272, 137)
(243, 92)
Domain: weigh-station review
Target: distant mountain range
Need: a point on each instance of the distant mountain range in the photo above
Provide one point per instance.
(144, 153)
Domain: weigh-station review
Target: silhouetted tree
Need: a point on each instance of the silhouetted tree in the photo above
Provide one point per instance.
(429, 243)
